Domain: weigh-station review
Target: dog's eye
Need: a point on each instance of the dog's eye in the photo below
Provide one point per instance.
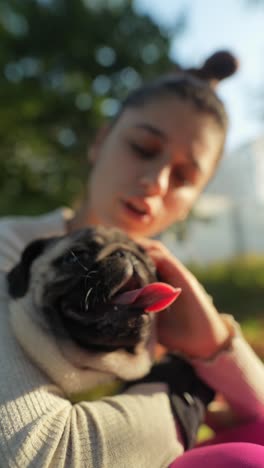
(70, 258)
(141, 249)
(119, 253)
(77, 257)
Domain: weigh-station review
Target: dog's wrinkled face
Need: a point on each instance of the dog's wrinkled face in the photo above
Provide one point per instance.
(79, 283)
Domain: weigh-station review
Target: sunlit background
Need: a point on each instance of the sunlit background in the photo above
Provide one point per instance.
(236, 25)
(65, 65)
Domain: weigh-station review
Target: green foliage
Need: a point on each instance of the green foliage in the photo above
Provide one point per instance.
(236, 286)
(61, 61)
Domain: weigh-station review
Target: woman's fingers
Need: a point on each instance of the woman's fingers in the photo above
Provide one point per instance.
(192, 324)
(168, 267)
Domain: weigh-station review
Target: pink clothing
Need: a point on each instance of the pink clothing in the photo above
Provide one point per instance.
(239, 447)
(252, 432)
(232, 455)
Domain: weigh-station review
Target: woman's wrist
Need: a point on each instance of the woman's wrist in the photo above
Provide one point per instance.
(221, 340)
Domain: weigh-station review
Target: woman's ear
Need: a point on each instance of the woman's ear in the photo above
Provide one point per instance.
(97, 143)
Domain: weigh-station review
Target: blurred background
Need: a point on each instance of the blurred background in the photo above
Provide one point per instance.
(65, 64)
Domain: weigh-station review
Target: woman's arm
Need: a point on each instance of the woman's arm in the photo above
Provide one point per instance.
(39, 427)
(237, 373)
(212, 342)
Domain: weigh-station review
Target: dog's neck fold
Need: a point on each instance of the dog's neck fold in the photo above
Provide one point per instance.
(72, 368)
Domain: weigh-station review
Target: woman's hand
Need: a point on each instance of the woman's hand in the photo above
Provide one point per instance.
(191, 325)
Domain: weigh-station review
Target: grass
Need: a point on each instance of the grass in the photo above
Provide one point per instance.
(237, 288)
(253, 330)
(204, 433)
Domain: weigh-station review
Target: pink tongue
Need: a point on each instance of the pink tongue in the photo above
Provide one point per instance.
(152, 298)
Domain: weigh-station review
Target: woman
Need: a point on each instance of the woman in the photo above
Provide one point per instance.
(149, 167)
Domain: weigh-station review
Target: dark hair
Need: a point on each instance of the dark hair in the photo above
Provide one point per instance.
(195, 85)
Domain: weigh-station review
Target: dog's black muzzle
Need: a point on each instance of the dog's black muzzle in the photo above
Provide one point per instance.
(80, 299)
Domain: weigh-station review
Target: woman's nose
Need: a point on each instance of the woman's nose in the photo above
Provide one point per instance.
(156, 182)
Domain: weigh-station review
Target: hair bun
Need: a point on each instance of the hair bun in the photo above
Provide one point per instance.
(218, 66)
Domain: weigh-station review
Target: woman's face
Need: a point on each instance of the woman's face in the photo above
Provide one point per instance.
(149, 168)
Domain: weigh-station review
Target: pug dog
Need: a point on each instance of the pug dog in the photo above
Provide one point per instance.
(82, 306)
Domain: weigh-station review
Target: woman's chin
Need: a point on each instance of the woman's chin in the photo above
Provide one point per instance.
(137, 230)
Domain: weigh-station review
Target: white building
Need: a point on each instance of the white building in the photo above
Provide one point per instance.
(241, 174)
(229, 217)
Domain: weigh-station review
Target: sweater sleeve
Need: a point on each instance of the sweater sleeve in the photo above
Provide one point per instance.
(39, 427)
(237, 373)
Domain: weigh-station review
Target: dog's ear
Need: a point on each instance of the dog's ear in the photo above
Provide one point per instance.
(18, 278)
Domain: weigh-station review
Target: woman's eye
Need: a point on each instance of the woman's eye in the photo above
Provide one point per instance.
(143, 151)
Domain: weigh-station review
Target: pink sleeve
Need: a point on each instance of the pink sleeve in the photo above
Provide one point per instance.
(237, 373)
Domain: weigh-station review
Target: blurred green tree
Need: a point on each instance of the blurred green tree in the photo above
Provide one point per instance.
(65, 64)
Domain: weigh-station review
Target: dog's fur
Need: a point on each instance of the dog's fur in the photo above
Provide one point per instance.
(62, 309)
(67, 315)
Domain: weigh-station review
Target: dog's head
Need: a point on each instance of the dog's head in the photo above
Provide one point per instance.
(91, 286)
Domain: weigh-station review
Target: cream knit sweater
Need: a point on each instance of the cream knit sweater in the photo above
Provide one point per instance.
(40, 428)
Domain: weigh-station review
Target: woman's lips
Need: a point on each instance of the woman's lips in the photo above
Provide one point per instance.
(138, 211)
